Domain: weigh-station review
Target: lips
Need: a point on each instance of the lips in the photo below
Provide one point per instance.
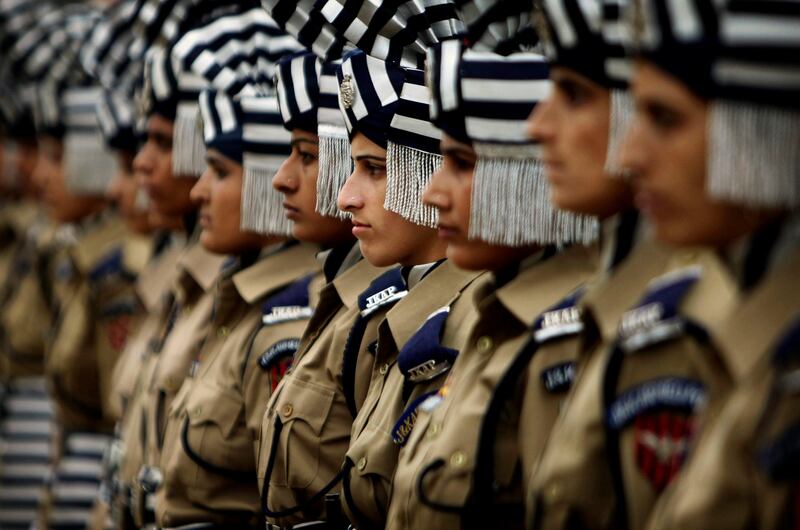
(360, 229)
(448, 232)
(290, 211)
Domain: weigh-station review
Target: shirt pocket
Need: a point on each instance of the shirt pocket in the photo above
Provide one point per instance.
(303, 408)
(214, 436)
(373, 457)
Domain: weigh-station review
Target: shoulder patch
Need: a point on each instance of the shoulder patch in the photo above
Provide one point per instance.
(279, 350)
(388, 288)
(561, 320)
(675, 393)
(405, 424)
(558, 378)
(292, 303)
(656, 318)
(423, 357)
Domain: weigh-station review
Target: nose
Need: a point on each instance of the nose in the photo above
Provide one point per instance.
(349, 198)
(435, 194)
(539, 125)
(632, 151)
(200, 192)
(285, 180)
(143, 164)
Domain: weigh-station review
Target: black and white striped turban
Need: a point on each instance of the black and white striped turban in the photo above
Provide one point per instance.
(390, 105)
(249, 130)
(590, 37)
(484, 99)
(743, 57)
(309, 101)
(398, 32)
(498, 26)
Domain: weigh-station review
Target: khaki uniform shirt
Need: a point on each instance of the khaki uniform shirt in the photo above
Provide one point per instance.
(378, 431)
(742, 472)
(607, 459)
(95, 305)
(310, 403)
(183, 328)
(434, 482)
(208, 458)
(23, 295)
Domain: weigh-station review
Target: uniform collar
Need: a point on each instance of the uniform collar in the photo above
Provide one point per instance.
(202, 266)
(334, 261)
(446, 282)
(550, 279)
(352, 282)
(416, 273)
(275, 270)
(158, 277)
(96, 242)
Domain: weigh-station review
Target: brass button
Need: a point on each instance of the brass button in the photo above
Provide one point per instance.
(187, 309)
(287, 410)
(383, 369)
(689, 256)
(485, 343)
(553, 493)
(458, 459)
(433, 430)
(362, 463)
(198, 410)
(223, 331)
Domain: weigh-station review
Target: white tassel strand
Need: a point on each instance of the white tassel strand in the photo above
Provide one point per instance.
(408, 172)
(335, 165)
(262, 205)
(188, 147)
(511, 203)
(754, 154)
(621, 116)
(89, 166)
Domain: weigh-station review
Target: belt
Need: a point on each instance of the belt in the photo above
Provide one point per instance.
(311, 525)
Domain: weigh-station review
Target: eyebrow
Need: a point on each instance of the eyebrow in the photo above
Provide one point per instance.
(370, 157)
(458, 151)
(302, 141)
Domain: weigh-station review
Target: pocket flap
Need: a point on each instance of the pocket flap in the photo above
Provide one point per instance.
(210, 404)
(305, 401)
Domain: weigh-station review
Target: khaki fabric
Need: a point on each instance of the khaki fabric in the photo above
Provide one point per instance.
(93, 317)
(724, 485)
(584, 464)
(372, 452)
(182, 329)
(208, 459)
(439, 460)
(310, 401)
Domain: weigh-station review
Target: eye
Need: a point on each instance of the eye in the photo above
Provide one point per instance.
(375, 170)
(573, 92)
(307, 158)
(662, 116)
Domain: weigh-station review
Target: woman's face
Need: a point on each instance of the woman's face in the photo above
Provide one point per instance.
(386, 238)
(62, 205)
(572, 125)
(124, 191)
(450, 192)
(665, 151)
(297, 180)
(218, 193)
(152, 166)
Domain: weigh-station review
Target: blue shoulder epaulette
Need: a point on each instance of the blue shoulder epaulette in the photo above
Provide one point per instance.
(423, 357)
(111, 264)
(292, 303)
(656, 318)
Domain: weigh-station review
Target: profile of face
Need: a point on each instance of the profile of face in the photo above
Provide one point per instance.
(152, 167)
(62, 205)
(385, 238)
(450, 192)
(665, 151)
(572, 125)
(297, 181)
(26, 156)
(124, 191)
(218, 193)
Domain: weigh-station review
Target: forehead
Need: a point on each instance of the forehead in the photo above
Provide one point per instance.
(158, 124)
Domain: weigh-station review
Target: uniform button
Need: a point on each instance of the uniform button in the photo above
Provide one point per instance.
(287, 410)
(689, 256)
(223, 331)
(458, 459)
(362, 463)
(187, 309)
(553, 493)
(485, 343)
(198, 410)
(434, 429)
(383, 369)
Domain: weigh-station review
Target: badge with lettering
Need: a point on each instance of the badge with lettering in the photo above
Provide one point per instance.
(290, 304)
(561, 320)
(423, 357)
(403, 427)
(387, 289)
(278, 359)
(558, 378)
(656, 318)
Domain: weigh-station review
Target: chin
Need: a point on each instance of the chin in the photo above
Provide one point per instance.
(214, 245)
(377, 257)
